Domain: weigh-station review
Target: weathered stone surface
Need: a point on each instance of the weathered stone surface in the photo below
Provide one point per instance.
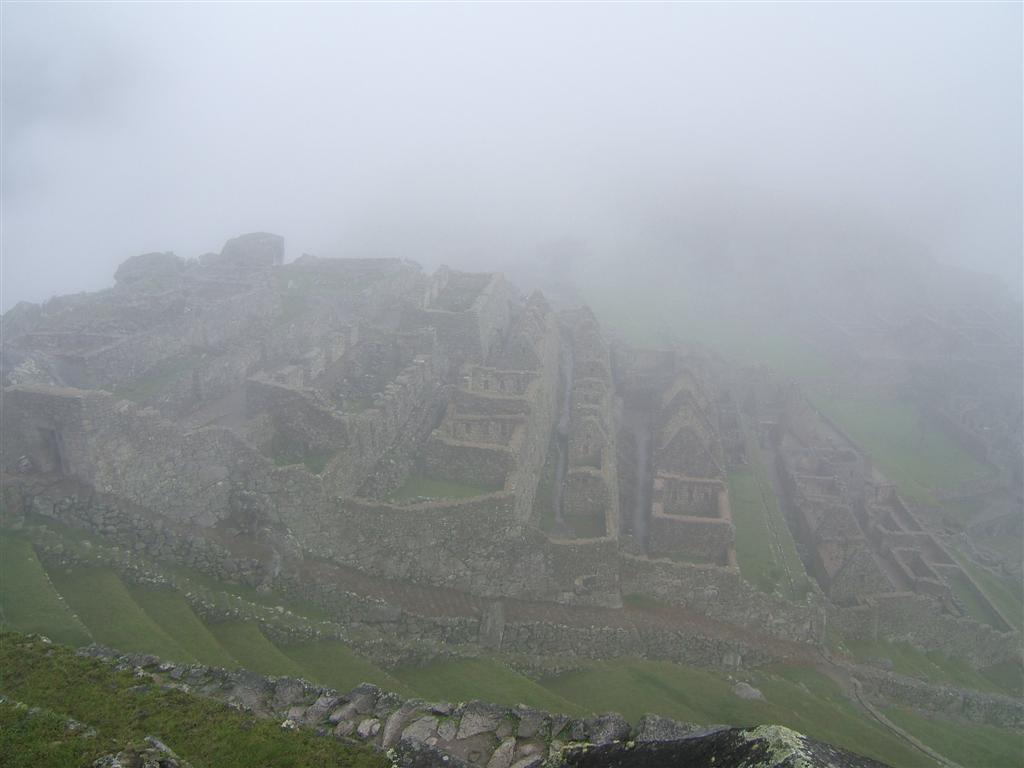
(396, 722)
(255, 250)
(479, 717)
(502, 757)
(346, 711)
(747, 691)
(421, 729)
(368, 727)
(531, 722)
(288, 691)
(657, 728)
(447, 729)
(606, 728)
(153, 267)
(763, 747)
(364, 697)
(344, 728)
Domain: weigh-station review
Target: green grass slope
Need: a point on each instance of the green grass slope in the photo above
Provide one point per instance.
(934, 667)
(172, 613)
(1007, 594)
(124, 709)
(801, 699)
(920, 459)
(28, 601)
(331, 663)
(105, 606)
(482, 679)
(969, 745)
(250, 647)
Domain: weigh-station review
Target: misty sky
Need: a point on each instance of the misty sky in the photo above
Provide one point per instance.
(476, 133)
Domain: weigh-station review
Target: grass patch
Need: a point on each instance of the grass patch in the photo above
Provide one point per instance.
(754, 546)
(1005, 594)
(932, 667)
(29, 739)
(643, 603)
(421, 486)
(105, 606)
(920, 459)
(28, 601)
(168, 609)
(976, 608)
(314, 461)
(124, 709)
(267, 598)
(765, 549)
(964, 744)
(482, 679)
(330, 662)
(801, 699)
(250, 647)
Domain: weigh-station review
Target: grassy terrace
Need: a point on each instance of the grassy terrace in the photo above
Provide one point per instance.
(919, 459)
(965, 744)
(765, 548)
(1006, 594)
(103, 603)
(329, 662)
(28, 601)
(171, 612)
(758, 559)
(937, 668)
(246, 643)
(484, 679)
(976, 608)
(422, 486)
(160, 620)
(799, 698)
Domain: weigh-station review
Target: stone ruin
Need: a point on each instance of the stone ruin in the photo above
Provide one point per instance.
(355, 427)
(885, 575)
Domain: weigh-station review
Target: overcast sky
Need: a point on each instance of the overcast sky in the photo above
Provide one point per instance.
(459, 132)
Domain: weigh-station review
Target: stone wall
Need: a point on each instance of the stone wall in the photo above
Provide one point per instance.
(651, 642)
(695, 539)
(135, 529)
(691, 519)
(124, 450)
(473, 545)
(945, 701)
(496, 430)
(470, 319)
(591, 494)
(919, 621)
(721, 593)
(418, 733)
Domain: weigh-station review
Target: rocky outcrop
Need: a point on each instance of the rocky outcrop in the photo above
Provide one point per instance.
(421, 734)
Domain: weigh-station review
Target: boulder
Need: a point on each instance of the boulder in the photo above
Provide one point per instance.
(257, 250)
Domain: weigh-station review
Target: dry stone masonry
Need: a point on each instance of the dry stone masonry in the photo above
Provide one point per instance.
(440, 462)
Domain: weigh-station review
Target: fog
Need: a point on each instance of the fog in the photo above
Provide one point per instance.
(477, 134)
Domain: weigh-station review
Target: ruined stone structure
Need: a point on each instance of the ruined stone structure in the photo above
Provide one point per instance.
(885, 574)
(437, 456)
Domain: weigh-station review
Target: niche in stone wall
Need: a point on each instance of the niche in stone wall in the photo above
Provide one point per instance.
(50, 455)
